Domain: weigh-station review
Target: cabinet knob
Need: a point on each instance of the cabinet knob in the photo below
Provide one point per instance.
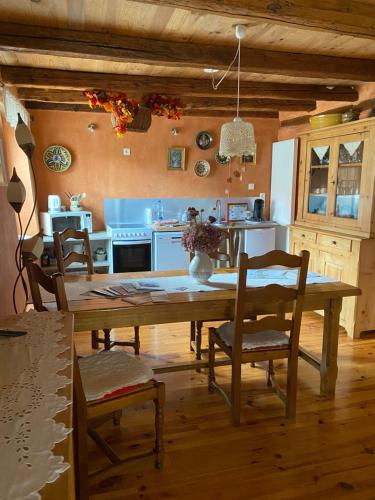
(334, 242)
(303, 236)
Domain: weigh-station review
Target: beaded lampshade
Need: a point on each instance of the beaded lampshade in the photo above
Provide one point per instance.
(237, 138)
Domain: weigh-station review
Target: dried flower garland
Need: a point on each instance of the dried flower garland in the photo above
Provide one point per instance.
(124, 110)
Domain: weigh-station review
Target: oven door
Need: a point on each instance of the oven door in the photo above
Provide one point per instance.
(131, 256)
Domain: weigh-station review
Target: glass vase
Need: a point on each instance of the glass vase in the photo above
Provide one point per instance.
(201, 267)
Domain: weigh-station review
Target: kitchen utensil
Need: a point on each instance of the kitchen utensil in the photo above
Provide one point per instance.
(148, 216)
(328, 120)
(75, 201)
(350, 116)
(100, 254)
(258, 209)
(54, 203)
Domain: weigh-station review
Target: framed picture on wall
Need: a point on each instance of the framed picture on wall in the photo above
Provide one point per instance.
(248, 159)
(3, 170)
(176, 159)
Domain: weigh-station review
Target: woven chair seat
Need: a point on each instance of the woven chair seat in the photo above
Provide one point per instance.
(266, 340)
(111, 373)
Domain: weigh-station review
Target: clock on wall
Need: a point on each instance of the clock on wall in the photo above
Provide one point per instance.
(57, 158)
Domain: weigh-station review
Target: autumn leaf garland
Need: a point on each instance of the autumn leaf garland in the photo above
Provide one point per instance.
(124, 110)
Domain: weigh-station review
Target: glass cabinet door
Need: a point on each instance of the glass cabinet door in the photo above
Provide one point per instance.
(348, 178)
(319, 162)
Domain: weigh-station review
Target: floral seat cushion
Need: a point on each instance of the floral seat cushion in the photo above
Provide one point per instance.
(112, 373)
(270, 339)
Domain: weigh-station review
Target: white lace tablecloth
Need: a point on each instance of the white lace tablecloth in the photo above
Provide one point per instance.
(29, 381)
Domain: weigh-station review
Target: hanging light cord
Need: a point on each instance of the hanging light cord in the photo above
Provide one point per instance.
(238, 76)
(215, 86)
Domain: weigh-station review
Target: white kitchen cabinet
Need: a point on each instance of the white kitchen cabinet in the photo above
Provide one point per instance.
(97, 239)
(259, 241)
(168, 253)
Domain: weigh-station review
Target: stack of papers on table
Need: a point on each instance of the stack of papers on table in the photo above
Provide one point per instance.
(137, 292)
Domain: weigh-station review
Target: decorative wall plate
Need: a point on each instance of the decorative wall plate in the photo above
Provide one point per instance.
(202, 168)
(57, 158)
(221, 159)
(204, 140)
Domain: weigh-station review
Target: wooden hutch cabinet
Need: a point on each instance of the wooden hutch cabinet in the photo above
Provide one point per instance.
(336, 208)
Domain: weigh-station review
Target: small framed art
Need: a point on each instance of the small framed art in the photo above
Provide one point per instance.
(236, 212)
(248, 159)
(176, 159)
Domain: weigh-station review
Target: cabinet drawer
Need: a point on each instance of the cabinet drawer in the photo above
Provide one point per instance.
(304, 235)
(330, 241)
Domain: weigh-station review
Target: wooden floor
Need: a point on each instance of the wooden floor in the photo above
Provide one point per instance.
(328, 452)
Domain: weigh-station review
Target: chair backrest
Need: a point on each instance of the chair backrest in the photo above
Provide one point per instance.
(53, 284)
(275, 293)
(83, 258)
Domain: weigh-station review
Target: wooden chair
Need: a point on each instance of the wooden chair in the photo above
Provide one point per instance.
(86, 258)
(196, 326)
(262, 339)
(130, 383)
(91, 412)
(53, 284)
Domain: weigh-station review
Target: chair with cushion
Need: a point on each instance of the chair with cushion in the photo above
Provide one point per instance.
(63, 262)
(196, 326)
(104, 384)
(263, 339)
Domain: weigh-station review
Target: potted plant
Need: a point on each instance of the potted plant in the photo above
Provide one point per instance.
(202, 239)
(100, 254)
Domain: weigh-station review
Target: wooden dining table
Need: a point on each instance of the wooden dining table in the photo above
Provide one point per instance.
(99, 313)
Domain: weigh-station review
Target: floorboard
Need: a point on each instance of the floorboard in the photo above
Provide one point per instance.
(328, 452)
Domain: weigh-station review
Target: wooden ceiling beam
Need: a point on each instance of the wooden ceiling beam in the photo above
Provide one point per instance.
(111, 47)
(352, 17)
(249, 104)
(218, 103)
(231, 114)
(133, 84)
(365, 105)
(61, 106)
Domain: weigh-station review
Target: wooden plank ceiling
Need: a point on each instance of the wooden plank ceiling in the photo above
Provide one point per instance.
(294, 53)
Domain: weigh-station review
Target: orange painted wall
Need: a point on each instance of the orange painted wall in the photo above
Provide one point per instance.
(100, 169)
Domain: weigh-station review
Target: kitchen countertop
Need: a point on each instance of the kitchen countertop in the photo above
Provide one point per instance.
(95, 235)
(232, 225)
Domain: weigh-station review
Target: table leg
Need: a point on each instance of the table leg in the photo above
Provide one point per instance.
(328, 366)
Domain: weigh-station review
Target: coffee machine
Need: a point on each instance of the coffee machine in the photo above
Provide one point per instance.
(258, 210)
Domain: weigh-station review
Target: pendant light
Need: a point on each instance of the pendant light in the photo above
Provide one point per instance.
(237, 137)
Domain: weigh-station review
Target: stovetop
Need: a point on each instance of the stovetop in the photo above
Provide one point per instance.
(129, 231)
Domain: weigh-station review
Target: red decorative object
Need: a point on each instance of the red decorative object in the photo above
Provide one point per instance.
(162, 105)
(124, 110)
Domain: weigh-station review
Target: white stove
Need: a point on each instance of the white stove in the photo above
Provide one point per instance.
(131, 247)
(127, 231)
